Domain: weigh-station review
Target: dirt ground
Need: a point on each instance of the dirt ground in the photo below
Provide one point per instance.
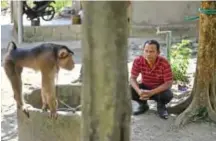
(146, 127)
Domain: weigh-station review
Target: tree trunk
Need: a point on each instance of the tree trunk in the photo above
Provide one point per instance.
(106, 104)
(204, 92)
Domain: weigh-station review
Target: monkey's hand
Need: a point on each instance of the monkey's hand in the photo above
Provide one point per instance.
(25, 109)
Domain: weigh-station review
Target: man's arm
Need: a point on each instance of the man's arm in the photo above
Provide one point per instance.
(134, 84)
(135, 70)
(168, 79)
(162, 87)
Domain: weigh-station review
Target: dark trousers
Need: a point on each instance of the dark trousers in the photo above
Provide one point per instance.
(162, 98)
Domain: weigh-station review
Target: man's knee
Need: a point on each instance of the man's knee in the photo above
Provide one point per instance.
(166, 96)
(133, 92)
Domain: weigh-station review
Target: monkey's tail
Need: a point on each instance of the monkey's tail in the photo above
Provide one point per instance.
(11, 46)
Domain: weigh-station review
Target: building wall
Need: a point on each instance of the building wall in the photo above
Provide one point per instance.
(145, 16)
(154, 13)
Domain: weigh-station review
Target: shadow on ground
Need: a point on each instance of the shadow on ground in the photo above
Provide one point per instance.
(9, 125)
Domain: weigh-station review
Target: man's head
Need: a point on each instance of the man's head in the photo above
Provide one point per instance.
(151, 50)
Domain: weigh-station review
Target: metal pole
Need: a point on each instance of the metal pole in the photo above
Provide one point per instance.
(169, 44)
(168, 40)
(20, 21)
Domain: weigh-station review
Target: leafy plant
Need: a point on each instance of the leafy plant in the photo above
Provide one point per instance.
(179, 59)
(4, 4)
(58, 5)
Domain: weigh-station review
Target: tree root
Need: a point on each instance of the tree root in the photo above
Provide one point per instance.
(211, 103)
(212, 114)
(185, 117)
(194, 113)
(179, 108)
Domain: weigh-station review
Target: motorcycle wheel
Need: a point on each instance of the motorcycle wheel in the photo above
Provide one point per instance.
(49, 12)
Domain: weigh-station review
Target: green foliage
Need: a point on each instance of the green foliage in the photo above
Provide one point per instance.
(61, 3)
(4, 4)
(200, 114)
(179, 59)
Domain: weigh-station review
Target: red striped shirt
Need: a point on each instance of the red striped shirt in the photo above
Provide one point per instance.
(152, 77)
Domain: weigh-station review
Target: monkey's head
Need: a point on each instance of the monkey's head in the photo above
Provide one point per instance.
(65, 59)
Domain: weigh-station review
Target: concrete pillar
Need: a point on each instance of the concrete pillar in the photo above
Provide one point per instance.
(20, 21)
(76, 5)
(12, 11)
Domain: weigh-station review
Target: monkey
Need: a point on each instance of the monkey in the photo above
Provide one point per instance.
(47, 58)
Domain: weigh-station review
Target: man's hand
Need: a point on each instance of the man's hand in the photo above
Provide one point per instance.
(145, 94)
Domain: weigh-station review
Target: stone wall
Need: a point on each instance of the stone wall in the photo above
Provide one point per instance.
(51, 33)
(73, 32)
(39, 127)
(145, 17)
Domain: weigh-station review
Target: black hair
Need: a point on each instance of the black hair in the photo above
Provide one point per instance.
(152, 42)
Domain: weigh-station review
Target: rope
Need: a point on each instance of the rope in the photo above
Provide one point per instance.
(69, 108)
(203, 11)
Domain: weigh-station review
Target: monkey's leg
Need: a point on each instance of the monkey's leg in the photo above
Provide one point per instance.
(14, 75)
(15, 81)
(44, 100)
(19, 96)
(48, 88)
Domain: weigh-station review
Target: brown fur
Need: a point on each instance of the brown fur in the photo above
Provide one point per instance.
(47, 58)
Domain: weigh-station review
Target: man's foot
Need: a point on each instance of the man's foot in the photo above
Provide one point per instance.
(162, 110)
(141, 109)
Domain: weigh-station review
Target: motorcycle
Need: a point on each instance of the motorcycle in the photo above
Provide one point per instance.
(42, 9)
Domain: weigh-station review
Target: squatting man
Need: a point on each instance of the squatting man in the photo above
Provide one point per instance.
(156, 82)
(156, 79)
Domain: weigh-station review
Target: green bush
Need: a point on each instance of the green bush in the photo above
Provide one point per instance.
(4, 4)
(179, 59)
(61, 3)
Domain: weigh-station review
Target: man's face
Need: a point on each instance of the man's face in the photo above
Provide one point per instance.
(151, 52)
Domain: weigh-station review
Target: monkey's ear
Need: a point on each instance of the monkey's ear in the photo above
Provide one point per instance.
(63, 53)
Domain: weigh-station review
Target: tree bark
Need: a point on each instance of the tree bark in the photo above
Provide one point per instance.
(106, 105)
(204, 93)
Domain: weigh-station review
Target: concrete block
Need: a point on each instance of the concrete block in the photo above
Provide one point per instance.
(78, 36)
(75, 28)
(39, 127)
(56, 34)
(47, 31)
(28, 32)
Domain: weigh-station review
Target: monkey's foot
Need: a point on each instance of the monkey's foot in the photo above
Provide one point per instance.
(19, 104)
(25, 109)
(53, 114)
(44, 108)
